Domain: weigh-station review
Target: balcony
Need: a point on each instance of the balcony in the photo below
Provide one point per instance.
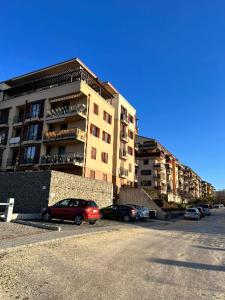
(54, 80)
(123, 154)
(3, 121)
(160, 177)
(123, 173)
(31, 138)
(169, 166)
(76, 159)
(124, 136)
(124, 119)
(23, 161)
(66, 134)
(159, 167)
(30, 116)
(70, 112)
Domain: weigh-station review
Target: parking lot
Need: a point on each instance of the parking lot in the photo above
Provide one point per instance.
(181, 259)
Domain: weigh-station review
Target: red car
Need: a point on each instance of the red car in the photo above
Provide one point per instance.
(77, 210)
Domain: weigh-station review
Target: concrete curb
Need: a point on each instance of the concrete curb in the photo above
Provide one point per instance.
(53, 240)
(42, 226)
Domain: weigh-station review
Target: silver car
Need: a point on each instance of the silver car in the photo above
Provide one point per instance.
(206, 209)
(142, 211)
(192, 214)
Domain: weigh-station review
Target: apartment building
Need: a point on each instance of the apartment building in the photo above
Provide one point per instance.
(157, 167)
(64, 117)
(160, 170)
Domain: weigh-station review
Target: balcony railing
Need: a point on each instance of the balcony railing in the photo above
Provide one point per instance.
(123, 172)
(32, 137)
(73, 133)
(14, 140)
(50, 81)
(63, 111)
(27, 116)
(23, 161)
(123, 153)
(158, 166)
(68, 158)
(124, 118)
(124, 136)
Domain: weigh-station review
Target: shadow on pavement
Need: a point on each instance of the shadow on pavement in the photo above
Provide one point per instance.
(185, 264)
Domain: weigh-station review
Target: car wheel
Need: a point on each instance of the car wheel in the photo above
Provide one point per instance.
(92, 222)
(78, 220)
(126, 218)
(47, 217)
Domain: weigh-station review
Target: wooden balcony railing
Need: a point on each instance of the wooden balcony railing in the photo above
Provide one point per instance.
(72, 133)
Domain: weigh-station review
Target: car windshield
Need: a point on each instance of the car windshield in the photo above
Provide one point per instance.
(205, 205)
(190, 210)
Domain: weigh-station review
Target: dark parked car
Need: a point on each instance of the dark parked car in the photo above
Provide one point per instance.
(200, 209)
(119, 212)
(77, 210)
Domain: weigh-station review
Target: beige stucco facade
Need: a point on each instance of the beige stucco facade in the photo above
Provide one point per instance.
(64, 118)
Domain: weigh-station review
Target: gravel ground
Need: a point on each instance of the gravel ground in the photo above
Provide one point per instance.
(180, 260)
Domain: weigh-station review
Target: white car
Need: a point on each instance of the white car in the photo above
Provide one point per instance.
(218, 205)
(192, 214)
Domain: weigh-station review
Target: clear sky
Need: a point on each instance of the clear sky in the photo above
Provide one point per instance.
(166, 57)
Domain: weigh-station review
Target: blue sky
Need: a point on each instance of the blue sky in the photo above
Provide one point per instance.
(166, 57)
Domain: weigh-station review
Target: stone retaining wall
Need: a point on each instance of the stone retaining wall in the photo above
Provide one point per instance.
(33, 191)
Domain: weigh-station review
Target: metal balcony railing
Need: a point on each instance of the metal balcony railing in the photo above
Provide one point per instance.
(50, 81)
(75, 133)
(123, 153)
(123, 172)
(124, 118)
(124, 135)
(67, 158)
(79, 109)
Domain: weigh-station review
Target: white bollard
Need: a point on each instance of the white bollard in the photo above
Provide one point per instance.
(9, 210)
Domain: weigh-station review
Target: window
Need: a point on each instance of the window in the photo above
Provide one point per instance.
(95, 131)
(32, 132)
(146, 172)
(92, 174)
(93, 153)
(35, 110)
(107, 117)
(130, 118)
(30, 152)
(62, 203)
(145, 161)
(146, 183)
(130, 167)
(105, 157)
(130, 134)
(130, 150)
(104, 177)
(95, 109)
(106, 137)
